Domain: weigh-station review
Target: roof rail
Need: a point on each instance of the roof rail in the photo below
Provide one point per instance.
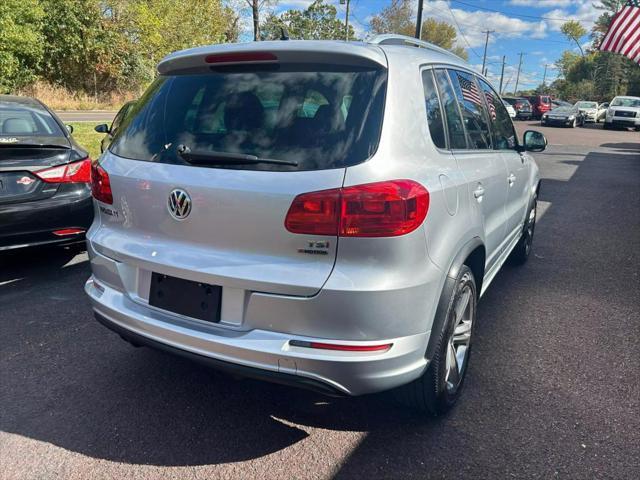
(395, 39)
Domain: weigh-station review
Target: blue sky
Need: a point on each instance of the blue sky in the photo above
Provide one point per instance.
(528, 26)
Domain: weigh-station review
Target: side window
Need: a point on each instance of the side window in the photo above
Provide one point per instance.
(449, 104)
(434, 113)
(502, 132)
(472, 106)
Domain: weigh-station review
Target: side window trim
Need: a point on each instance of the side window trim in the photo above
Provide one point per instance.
(445, 125)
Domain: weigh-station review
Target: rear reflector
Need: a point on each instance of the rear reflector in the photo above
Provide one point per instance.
(241, 57)
(383, 209)
(100, 184)
(76, 172)
(342, 347)
(68, 231)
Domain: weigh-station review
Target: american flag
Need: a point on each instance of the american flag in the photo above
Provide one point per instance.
(492, 108)
(624, 33)
(469, 90)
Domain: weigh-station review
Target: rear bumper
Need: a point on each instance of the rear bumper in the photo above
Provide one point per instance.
(33, 223)
(260, 353)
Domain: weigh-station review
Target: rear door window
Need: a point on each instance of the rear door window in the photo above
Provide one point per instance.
(317, 116)
(472, 107)
(434, 112)
(502, 130)
(455, 128)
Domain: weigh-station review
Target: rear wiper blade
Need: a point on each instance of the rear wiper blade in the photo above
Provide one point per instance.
(209, 157)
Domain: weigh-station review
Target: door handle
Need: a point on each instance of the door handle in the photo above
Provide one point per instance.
(512, 179)
(478, 192)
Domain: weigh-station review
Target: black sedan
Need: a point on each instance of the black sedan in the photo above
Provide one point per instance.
(45, 191)
(563, 116)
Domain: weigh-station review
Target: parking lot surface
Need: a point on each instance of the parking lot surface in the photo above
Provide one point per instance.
(553, 389)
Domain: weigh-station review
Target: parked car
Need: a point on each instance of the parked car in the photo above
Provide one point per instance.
(540, 104)
(324, 224)
(623, 112)
(521, 106)
(510, 109)
(110, 131)
(602, 111)
(45, 195)
(555, 103)
(565, 116)
(588, 109)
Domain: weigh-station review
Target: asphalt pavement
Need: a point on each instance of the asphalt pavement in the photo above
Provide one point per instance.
(552, 390)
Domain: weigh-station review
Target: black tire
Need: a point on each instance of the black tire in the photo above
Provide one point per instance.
(522, 250)
(432, 394)
(606, 126)
(638, 129)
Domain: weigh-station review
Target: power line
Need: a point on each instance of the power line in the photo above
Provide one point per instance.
(460, 30)
(520, 15)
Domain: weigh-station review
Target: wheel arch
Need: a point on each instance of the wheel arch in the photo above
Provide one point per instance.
(473, 255)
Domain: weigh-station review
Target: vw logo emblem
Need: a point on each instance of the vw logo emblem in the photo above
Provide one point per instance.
(179, 204)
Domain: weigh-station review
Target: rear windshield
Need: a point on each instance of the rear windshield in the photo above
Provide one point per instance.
(315, 116)
(23, 121)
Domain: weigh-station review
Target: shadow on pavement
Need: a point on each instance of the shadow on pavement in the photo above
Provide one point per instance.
(552, 370)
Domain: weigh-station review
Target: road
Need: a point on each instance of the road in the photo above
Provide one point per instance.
(86, 116)
(552, 390)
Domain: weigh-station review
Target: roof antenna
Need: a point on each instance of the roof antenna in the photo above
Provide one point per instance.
(284, 35)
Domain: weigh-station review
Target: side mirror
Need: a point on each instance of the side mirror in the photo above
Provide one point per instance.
(102, 128)
(534, 141)
(69, 128)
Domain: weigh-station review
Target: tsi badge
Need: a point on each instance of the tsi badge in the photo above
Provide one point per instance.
(315, 247)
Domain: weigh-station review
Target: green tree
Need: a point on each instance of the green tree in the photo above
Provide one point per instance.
(398, 18)
(574, 30)
(317, 22)
(21, 42)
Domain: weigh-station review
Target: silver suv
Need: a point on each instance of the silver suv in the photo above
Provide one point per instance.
(317, 213)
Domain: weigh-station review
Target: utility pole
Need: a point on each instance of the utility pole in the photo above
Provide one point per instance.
(419, 20)
(346, 21)
(544, 77)
(486, 42)
(515, 91)
(504, 58)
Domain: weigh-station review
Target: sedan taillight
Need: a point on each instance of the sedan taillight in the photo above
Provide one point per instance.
(76, 172)
(100, 184)
(383, 209)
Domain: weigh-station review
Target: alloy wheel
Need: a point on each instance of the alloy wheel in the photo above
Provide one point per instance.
(460, 339)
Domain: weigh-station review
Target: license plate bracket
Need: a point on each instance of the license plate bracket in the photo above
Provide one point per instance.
(185, 297)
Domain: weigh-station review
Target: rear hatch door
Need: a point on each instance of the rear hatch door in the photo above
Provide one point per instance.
(241, 142)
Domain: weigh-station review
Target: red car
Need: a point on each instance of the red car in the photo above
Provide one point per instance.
(540, 104)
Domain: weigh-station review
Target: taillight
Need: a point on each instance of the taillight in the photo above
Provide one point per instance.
(100, 185)
(76, 172)
(383, 209)
(240, 57)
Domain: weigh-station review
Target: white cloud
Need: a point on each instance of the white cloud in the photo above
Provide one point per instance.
(473, 23)
(585, 11)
